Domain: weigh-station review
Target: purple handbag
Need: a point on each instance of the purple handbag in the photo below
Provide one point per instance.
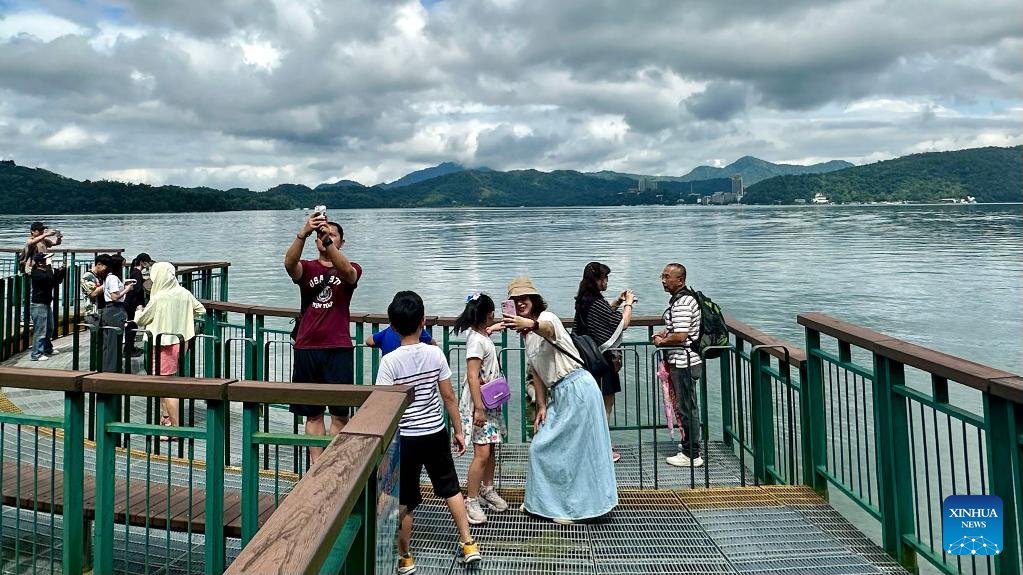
(495, 392)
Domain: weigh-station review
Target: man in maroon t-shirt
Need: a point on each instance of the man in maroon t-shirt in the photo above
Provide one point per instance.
(323, 343)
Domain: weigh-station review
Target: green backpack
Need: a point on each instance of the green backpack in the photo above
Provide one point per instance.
(713, 330)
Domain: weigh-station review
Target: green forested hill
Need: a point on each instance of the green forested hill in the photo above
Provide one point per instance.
(28, 190)
(989, 174)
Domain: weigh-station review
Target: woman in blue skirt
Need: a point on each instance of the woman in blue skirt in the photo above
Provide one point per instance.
(570, 475)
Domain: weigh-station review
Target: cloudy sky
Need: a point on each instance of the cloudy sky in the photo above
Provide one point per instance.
(258, 92)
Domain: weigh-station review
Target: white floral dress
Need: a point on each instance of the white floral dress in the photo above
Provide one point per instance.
(478, 346)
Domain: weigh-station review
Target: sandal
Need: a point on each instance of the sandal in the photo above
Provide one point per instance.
(165, 421)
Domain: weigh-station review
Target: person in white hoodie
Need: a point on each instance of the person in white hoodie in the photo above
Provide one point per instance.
(172, 310)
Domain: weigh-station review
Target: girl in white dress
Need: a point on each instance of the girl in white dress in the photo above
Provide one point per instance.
(485, 427)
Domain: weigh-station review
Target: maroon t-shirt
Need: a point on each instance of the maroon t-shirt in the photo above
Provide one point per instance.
(325, 321)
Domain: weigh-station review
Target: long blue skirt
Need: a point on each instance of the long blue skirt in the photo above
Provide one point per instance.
(570, 473)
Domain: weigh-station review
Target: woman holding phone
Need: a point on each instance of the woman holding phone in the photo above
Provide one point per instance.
(570, 474)
(605, 322)
(114, 314)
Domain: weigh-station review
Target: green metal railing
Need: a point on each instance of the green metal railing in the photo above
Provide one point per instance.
(892, 426)
(931, 425)
(33, 485)
(15, 301)
(208, 280)
(153, 510)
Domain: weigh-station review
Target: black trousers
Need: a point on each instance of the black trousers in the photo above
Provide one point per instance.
(685, 381)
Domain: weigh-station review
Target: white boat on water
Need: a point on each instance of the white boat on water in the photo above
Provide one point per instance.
(963, 200)
(819, 199)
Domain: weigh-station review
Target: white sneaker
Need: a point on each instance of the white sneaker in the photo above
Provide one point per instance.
(494, 501)
(42, 358)
(474, 511)
(682, 460)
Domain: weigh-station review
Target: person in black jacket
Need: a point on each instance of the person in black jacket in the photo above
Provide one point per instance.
(135, 299)
(44, 279)
(606, 323)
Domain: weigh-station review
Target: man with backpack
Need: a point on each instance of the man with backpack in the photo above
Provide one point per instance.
(324, 352)
(682, 330)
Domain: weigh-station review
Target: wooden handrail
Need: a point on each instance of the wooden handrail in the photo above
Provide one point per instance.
(43, 379)
(300, 534)
(855, 334)
(378, 412)
(796, 354)
(307, 393)
(976, 375)
(157, 386)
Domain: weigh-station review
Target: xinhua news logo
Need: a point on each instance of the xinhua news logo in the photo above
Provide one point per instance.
(972, 525)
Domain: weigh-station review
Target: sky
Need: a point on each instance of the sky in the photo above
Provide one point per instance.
(253, 93)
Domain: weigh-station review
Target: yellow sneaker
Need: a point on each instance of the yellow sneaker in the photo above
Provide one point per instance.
(470, 553)
(406, 565)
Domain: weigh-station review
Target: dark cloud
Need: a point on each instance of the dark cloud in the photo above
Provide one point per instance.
(203, 19)
(234, 92)
(64, 66)
(501, 146)
(719, 101)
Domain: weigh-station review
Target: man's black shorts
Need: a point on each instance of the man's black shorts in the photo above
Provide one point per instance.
(335, 365)
(434, 452)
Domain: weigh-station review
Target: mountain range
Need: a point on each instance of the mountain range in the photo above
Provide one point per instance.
(989, 174)
(751, 169)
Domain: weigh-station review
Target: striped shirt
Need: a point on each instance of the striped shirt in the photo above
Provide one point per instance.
(596, 319)
(423, 367)
(683, 316)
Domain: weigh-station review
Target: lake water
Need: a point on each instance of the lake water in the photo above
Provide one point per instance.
(947, 277)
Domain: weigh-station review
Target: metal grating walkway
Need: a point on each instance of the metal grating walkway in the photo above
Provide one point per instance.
(777, 530)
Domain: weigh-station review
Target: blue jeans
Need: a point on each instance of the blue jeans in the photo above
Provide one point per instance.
(42, 327)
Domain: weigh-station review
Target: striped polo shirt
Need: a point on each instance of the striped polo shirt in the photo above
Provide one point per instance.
(423, 367)
(683, 315)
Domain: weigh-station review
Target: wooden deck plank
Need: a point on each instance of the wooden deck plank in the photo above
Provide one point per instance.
(129, 500)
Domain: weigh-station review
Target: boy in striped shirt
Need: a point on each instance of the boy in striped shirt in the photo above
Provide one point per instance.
(424, 438)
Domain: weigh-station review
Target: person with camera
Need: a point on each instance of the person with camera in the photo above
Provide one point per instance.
(570, 476)
(324, 351)
(606, 323)
(40, 239)
(45, 278)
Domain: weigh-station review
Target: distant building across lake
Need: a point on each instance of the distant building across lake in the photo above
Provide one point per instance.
(646, 185)
(732, 197)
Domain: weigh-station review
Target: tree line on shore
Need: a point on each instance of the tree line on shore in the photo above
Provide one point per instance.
(989, 174)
